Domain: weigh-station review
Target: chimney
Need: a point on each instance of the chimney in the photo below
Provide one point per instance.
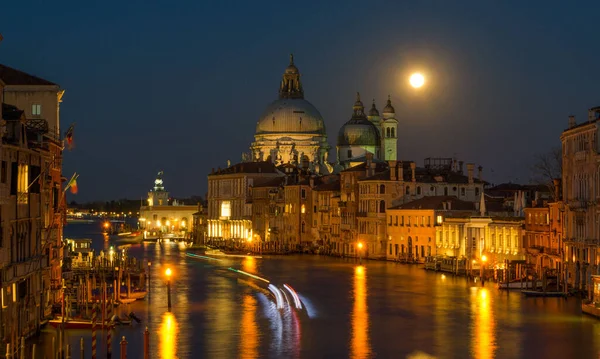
(572, 122)
(373, 165)
(470, 170)
(312, 181)
(413, 167)
(556, 183)
(479, 175)
(460, 167)
(392, 170)
(369, 160)
(212, 171)
(400, 171)
(449, 205)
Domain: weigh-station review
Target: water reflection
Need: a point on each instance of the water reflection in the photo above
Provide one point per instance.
(483, 343)
(168, 336)
(360, 344)
(249, 328)
(249, 265)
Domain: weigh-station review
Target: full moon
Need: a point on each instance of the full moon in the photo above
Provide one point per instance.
(416, 80)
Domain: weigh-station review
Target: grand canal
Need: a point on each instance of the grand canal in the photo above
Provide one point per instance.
(377, 309)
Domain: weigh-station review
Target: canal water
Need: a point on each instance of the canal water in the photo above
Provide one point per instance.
(351, 310)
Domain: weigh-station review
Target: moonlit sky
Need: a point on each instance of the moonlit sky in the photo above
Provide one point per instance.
(179, 85)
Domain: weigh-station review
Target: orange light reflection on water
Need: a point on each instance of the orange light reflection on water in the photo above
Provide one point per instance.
(483, 343)
(249, 265)
(168, 336)
(360, 342)
(249, 329)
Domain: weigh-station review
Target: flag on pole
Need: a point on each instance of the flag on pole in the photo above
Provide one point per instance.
(72, 184)
(69, 136)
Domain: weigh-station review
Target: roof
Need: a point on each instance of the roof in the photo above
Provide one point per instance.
(11, 76)
(331, 186)
(437, 203)
(424, 175)
(247, 167)
(379, 166)
(271, 182)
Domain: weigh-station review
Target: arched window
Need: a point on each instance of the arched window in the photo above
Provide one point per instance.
(477, 191)
(407, 190)
(382, 207)
(418, 190)
(303, 225)
(387, 132)
(382, 189)
(393, 134)
(445, 191)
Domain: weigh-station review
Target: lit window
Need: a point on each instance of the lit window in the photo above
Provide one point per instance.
(36, 110)
(226, 209)
(22, 184)
(303, 210)
(439, 220)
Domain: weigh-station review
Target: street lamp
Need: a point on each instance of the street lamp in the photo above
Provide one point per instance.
(168, 274)
(482, 264)
(360, 246)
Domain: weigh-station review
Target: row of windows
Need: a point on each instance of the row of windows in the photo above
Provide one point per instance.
(418, 221)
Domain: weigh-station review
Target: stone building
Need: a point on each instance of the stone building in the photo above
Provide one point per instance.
(291, 130)
(580, 182)
(326, 197)
(268, 207)
(200, 226)
(543, 242)
(160, 218)
(32, 201)
(230, 200)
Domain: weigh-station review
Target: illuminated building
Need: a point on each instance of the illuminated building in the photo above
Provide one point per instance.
(230, 200)
(543, 241)
(32, 202)
(291, 130)
(160, 216)
(580, 192)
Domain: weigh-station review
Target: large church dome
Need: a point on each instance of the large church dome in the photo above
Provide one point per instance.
(291, 115)
(358, 131)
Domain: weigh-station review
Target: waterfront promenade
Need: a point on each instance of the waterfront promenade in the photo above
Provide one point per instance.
(380, 309)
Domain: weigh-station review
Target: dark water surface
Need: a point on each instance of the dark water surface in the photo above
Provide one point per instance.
(377, 309)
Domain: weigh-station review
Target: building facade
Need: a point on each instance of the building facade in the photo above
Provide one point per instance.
(543, 239)
(230, 201)
(32, 202)
(580, 190)
(160, 218)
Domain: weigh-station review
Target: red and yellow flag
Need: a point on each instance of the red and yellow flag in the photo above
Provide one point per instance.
(72, 184)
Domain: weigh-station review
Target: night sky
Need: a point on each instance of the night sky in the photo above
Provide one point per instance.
(179, 85)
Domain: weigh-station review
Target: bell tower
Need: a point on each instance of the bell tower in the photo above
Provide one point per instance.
(389, 132)
(158, 196)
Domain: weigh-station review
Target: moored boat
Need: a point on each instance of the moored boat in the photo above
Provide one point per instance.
(519, 284)
(536, 293)
(134, 295)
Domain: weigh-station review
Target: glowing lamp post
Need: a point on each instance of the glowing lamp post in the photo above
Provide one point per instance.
(360, 246)
(483, 260)
(168, 274)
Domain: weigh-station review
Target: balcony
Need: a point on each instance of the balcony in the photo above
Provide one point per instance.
(342, 204)
(324, 208)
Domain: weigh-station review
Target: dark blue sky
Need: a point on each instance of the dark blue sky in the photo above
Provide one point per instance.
(179, 85)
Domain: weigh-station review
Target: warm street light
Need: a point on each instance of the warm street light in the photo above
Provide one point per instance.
(168, 274)
(484, 258)
(360, 246)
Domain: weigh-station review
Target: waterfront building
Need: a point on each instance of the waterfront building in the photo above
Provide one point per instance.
(402, 182)
(268, 206)
(32, 201)
(200, 225)
(300, 228)
(230, 200)
(543, 242)
(159, 217)
(412, 228)
(580, 182)
(291, 130)
(326, 197)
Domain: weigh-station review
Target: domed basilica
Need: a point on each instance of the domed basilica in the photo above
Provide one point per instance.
(291, 130)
